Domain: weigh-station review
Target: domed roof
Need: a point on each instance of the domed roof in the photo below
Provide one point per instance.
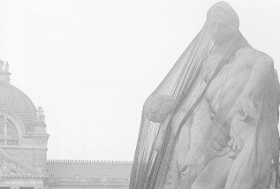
(14, 102)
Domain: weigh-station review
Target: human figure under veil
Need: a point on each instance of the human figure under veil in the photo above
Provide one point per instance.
(212, 122)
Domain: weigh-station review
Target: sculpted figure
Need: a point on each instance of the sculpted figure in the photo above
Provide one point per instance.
(212, 122)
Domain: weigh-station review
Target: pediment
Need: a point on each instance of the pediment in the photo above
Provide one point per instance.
(11, 166)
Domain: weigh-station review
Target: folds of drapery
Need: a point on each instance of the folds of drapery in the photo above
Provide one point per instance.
(150, 166)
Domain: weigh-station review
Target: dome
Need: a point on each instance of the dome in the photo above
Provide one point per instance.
(15, 103)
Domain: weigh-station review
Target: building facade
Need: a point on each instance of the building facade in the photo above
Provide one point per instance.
(23, 150)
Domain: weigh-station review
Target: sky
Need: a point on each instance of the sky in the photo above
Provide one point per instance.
(91, 64)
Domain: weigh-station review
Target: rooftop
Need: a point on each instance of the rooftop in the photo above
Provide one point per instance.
(90, 173)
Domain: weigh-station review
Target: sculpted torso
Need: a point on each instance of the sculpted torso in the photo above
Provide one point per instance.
(225, 89)
(221, 97)
(232, 79)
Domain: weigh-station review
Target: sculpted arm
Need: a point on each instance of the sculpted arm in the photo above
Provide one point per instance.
(262, 67)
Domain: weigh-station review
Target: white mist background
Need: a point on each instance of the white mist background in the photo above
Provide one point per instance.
(91, 64)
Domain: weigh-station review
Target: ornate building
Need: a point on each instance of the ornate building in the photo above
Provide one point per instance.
(23, 150)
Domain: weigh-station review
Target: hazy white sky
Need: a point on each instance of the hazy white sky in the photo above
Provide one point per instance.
(91, 64)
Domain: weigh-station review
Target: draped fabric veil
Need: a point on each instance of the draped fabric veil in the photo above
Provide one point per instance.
(149, 163)
(154, 151)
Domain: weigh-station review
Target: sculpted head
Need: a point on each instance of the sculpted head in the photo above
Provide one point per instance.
(222, 21)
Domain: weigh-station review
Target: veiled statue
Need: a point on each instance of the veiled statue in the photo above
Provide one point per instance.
(212, 122)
